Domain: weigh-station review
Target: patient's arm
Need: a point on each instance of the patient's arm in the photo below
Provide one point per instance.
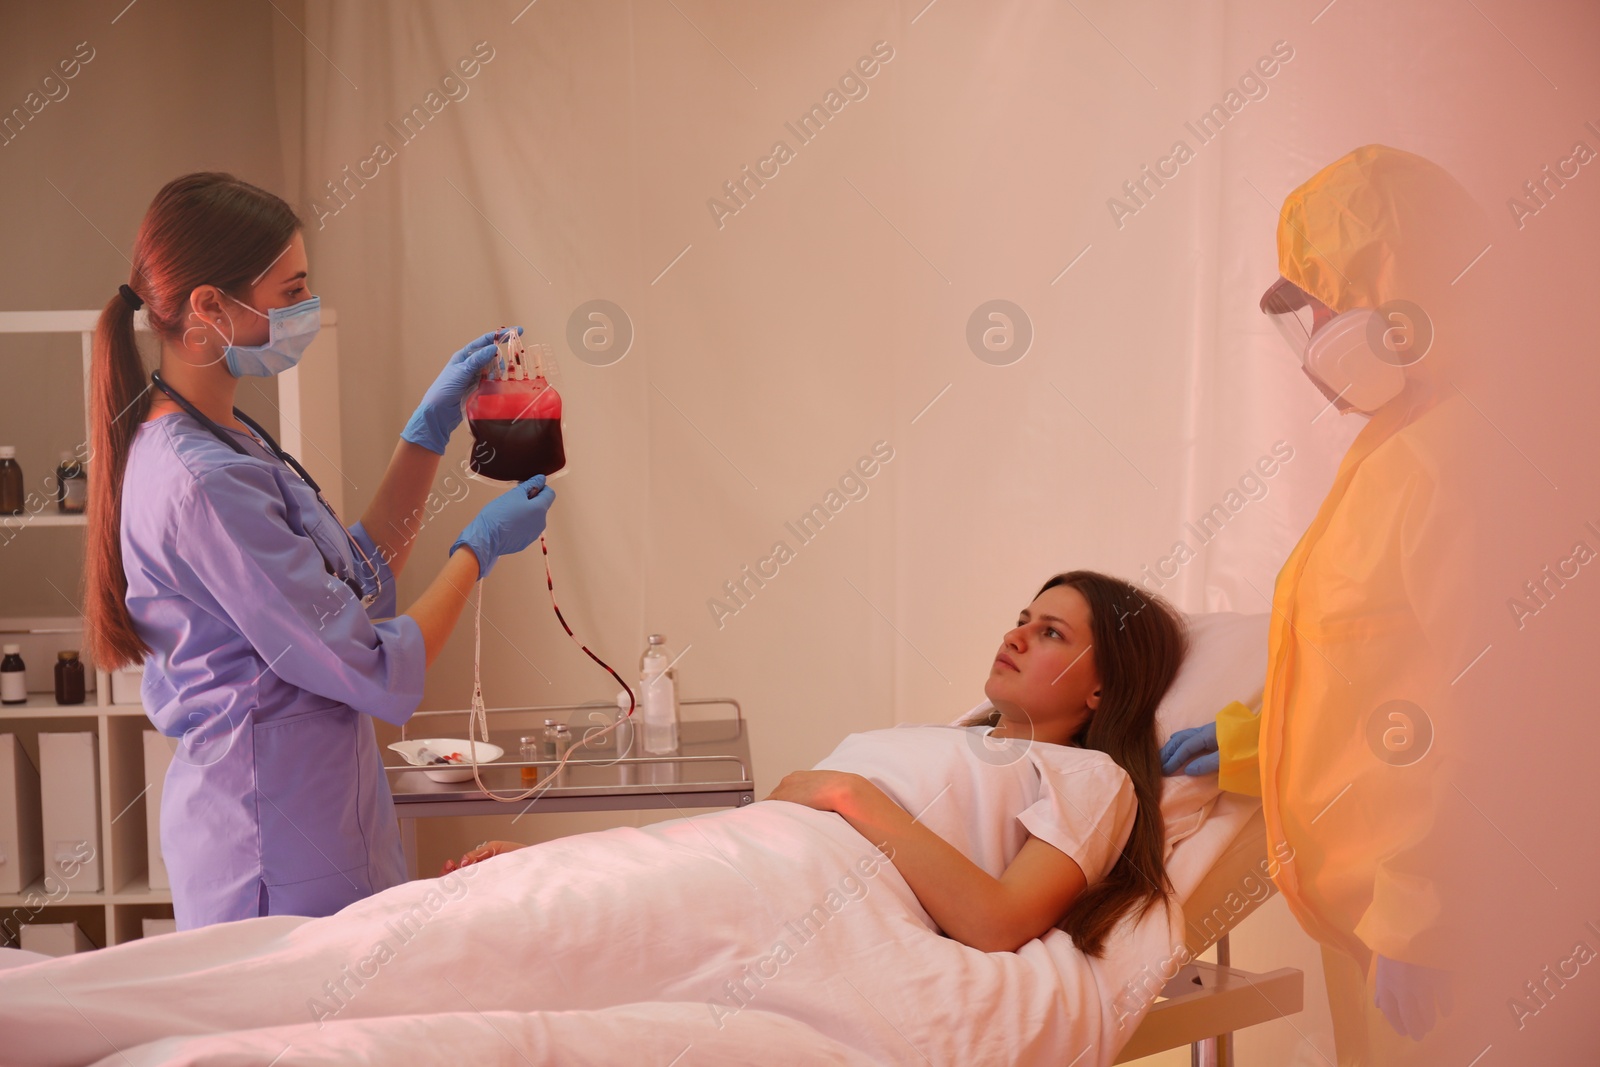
(487, 850)
(992, 914)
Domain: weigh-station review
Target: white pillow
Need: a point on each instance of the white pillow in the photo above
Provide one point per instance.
(1227, 661)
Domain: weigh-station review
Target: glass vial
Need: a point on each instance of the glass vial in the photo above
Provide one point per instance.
(528, 751)
(13, 676)
(557, 738)
(69, 678)
(11, 494)
(72, 486)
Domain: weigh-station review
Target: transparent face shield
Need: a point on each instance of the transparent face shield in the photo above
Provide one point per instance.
(1296, 314)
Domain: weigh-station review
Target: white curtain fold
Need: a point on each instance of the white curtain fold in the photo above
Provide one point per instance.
(824, 308)
(786, 326)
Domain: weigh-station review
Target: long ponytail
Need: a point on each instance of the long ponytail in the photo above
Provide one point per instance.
(119, 399)
(201, 229)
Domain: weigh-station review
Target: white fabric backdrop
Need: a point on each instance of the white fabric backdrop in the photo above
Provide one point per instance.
(773, 350)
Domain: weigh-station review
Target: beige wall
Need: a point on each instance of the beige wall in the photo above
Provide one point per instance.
(169, 89)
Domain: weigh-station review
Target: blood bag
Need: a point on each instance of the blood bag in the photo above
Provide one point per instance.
(515, 417)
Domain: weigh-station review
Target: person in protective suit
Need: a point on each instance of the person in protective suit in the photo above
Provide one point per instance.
(1376, 611)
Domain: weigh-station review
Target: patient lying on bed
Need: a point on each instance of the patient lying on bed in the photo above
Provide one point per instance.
(803, 930)
(1043, 811)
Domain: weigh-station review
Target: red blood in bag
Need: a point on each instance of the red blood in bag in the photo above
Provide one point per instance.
(516, 430)
(514, 450)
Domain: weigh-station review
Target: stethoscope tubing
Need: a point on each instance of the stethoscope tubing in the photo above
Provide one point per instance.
(367, 599)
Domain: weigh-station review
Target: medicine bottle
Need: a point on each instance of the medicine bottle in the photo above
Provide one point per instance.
(69, 678)
(658, 698)
(557, 739)
(72, 486)
(13, 676)
(11, 494)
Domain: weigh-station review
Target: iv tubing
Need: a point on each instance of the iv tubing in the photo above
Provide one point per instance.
(478, 717)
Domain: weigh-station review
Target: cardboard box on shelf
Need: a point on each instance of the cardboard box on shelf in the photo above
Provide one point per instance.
(55, 939)
(21, 832)
(69, 786)
(157, 756)
(157, 927)
(125, 686)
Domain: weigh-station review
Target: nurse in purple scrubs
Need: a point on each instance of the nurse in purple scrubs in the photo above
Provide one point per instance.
(267, 629)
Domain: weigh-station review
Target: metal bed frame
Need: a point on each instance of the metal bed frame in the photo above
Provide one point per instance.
(1204, 1003)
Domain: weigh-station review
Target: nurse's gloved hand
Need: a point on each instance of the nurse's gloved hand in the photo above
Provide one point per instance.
(509, 523)
(437, 417)
(1411, 996)
(1193, 751)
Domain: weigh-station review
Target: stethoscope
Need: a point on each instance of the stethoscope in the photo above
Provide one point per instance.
(367, 599)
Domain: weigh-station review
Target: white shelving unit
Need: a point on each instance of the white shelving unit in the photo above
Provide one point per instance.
(114, 914)
(19, 522)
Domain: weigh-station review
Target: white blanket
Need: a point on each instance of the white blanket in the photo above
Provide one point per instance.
(761, 934)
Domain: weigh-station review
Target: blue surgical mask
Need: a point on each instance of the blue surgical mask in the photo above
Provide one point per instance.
(290, 330)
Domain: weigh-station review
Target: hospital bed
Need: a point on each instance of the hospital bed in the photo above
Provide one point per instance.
(1205, 1003)
(1019, 1007)
(1220, 871)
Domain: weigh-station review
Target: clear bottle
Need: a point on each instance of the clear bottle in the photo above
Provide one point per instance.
(13, 676)
(12, 498)
(658, 698)
(528, 751)
(72, 486)
(557, 739)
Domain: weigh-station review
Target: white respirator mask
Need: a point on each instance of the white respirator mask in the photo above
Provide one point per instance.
(1357, 355)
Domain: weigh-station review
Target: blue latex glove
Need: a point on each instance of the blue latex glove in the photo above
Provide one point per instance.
(1193, 751)
(1407, 994)
(509, 523)
(437, 417)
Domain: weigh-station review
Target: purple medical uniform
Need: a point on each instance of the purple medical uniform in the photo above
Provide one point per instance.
(265, 666)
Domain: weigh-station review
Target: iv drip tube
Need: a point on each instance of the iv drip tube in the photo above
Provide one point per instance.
(478, 717)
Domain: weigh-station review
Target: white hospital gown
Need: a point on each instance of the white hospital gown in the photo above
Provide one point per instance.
(986, 795)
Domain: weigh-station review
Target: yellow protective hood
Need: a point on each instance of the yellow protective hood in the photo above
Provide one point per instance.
(1377, 225)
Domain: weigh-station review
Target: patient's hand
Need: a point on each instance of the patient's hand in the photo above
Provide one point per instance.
(822, 790)
(838, 791)
(477, 855)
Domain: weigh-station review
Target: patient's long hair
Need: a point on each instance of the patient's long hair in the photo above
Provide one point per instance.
(1139, 643)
